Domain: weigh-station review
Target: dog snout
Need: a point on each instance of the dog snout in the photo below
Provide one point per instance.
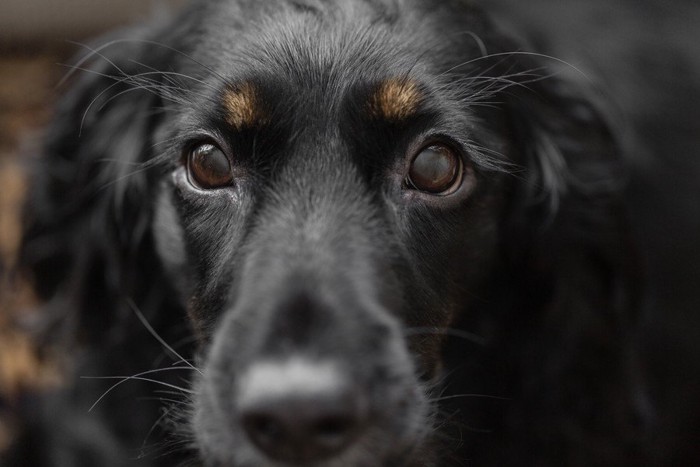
(300, 411)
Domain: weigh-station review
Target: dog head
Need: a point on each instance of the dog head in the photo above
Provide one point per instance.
(329, 192)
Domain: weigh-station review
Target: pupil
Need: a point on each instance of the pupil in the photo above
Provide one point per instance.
(433, 170)
(210, 167)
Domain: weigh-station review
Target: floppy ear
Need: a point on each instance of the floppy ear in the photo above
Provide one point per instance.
(568, 224)
(573, 274)
(87, 240)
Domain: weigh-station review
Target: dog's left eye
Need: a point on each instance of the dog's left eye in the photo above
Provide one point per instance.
(435, 170)
(208, 167)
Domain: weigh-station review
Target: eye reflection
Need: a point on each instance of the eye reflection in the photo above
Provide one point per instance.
(208, 167)
(435, 170)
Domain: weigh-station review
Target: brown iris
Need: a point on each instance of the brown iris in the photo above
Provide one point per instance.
(435, 170)
(208, 167)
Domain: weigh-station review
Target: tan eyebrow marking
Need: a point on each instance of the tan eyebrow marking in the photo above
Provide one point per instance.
(395, 99)
(242, 106)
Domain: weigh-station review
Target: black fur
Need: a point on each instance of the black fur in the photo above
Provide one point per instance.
(493, 326)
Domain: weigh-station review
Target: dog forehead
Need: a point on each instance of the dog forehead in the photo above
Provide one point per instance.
(395, 99)
(317, 51)
(242, 107)
(390, 99)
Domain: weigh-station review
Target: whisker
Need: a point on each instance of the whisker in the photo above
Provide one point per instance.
(150, 88)
(145, 166)
(166, 412)
(167, 392)
(126, 79)
(483, 72)
(479, 42)
(106, 59)
(99, 95)
(77, 66)
(164, 399)
(137, 377)
(144, 77)
(188, 56)
(164, 142)
(175, 446)
(170, 74)
(142, 41)
(175, 93)
(491, 87)
(476, 396)
(153, 332)
(518, 53)
(180, 343)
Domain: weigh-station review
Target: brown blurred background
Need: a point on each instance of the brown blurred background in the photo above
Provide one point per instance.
(36, 38)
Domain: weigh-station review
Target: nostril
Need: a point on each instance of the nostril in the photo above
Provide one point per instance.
(333, 426)
(298, 429)
(298, 432)
(263, 429)
(334, 432)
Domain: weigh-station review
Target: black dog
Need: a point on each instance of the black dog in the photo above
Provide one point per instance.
(398, 240)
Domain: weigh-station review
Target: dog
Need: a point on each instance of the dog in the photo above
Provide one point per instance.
(334, 234)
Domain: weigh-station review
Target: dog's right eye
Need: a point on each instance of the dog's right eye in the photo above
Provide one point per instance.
(208, 167)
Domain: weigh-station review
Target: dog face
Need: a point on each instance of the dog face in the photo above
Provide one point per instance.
(330, 195)
(330, 189)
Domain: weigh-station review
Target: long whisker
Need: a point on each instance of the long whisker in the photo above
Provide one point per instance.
(476, 396)
(145, 41)
(186, 55)
(153, 332)
(142, 168)
(163, 416)
(479, 42)
(515, 53)
(170, 74)
(132, 80)
(137, 377)
(162, 91)
(77, 66)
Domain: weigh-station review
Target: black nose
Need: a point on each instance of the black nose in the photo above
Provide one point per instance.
(300, 425)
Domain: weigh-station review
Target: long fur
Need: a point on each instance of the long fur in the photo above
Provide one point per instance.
(492, 330)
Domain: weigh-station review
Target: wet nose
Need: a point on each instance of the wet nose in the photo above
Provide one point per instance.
(300, 411)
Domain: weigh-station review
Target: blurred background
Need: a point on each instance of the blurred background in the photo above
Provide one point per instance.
(36, 38)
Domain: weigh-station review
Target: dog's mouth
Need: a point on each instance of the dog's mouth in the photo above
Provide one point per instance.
(304, 409)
